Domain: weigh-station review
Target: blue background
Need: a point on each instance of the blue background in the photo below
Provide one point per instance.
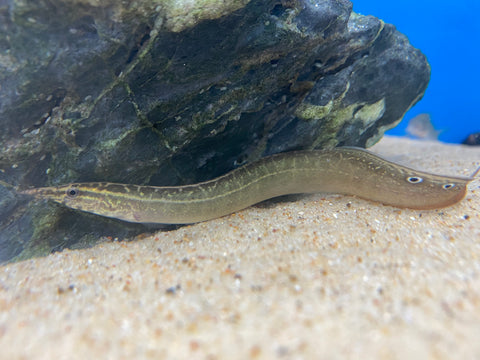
(448, 33)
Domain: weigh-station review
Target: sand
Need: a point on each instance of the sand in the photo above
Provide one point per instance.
(320, 277)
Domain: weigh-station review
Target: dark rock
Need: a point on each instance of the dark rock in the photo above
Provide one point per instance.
(472, 139)
(169, 94)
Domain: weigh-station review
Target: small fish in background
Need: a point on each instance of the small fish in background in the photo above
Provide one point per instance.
(472, 139)
(421, 127)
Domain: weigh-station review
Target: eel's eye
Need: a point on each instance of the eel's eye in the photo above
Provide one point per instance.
(72, 192)
(414, 179)
(448, 186)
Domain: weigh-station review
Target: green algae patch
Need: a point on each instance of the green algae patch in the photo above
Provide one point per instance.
(370, 113)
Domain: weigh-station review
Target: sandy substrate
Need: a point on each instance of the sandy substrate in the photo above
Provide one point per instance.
(321, 277)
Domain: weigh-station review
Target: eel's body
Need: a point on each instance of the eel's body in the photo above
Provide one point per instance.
(349, 171)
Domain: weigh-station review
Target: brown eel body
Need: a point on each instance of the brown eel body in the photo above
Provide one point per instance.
(344, 170)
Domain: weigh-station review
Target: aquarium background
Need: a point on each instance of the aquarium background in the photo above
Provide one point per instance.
(448, 33)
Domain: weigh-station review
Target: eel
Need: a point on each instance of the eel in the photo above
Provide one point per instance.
(342, 170)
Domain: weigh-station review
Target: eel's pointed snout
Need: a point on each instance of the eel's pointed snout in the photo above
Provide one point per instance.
(30, 192)
(43, 192)
(26, 192)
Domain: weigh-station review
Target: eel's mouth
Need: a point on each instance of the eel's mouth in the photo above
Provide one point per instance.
(52, 193)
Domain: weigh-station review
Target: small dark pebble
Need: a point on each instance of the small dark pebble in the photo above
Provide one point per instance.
(62, 290)
(466, 217)
(173, 289)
